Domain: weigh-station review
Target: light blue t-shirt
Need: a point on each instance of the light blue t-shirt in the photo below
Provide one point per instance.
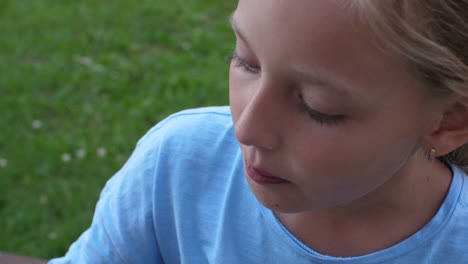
(182, 198)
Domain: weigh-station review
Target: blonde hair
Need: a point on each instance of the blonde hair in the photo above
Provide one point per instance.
(432, 35)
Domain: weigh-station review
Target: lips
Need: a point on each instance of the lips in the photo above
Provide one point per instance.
(262, 177)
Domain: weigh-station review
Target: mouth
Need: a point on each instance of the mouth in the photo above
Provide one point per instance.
(262, 177)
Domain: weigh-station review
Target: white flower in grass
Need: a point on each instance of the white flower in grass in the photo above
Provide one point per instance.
(80, 153)
(101, 152)
(66, 157)
(37, 124)
(43, 200)
(3, 163)
(52, 235)
(186, 46)
(89, 62)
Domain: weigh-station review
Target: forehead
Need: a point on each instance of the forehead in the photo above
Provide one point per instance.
(298, 10)
(315, 35)
(297, 22)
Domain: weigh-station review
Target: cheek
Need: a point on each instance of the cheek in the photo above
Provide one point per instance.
(239, 92)
(340, 168)
(235, 101)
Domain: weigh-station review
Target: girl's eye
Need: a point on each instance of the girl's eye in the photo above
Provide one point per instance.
(242, 63)
(321, 118)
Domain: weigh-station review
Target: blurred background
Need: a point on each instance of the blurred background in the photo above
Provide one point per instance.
(80, 82)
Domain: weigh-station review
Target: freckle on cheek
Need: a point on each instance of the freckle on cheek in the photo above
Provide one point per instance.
(276, 205)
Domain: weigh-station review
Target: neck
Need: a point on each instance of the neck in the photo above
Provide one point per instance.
(378, 220)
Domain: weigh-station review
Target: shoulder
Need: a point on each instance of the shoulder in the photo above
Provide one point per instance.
(455, 206)
(190, 133)
(449, 246)
(464, 189)
(455, 231)
(180, 140)
(192, 121)
(185, 130)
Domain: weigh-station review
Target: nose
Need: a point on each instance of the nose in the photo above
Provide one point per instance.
(259, 122)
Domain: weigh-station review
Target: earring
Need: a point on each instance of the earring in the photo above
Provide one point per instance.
(432, 155)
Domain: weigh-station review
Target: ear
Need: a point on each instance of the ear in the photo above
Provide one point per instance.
(452, 129)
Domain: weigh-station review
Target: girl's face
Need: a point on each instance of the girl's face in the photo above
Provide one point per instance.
(318, 105)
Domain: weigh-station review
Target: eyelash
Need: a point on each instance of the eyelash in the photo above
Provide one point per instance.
(240, 62)
(320, 118)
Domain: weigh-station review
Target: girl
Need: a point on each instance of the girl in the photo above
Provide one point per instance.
(345, 142)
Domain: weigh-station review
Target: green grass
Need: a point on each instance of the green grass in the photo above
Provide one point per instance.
(78, 76)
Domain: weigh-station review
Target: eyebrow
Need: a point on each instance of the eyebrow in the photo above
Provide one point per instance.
(237, 30)
(312, 76)
(322, 79)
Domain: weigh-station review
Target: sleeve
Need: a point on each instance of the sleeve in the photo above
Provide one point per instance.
(122, 230)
